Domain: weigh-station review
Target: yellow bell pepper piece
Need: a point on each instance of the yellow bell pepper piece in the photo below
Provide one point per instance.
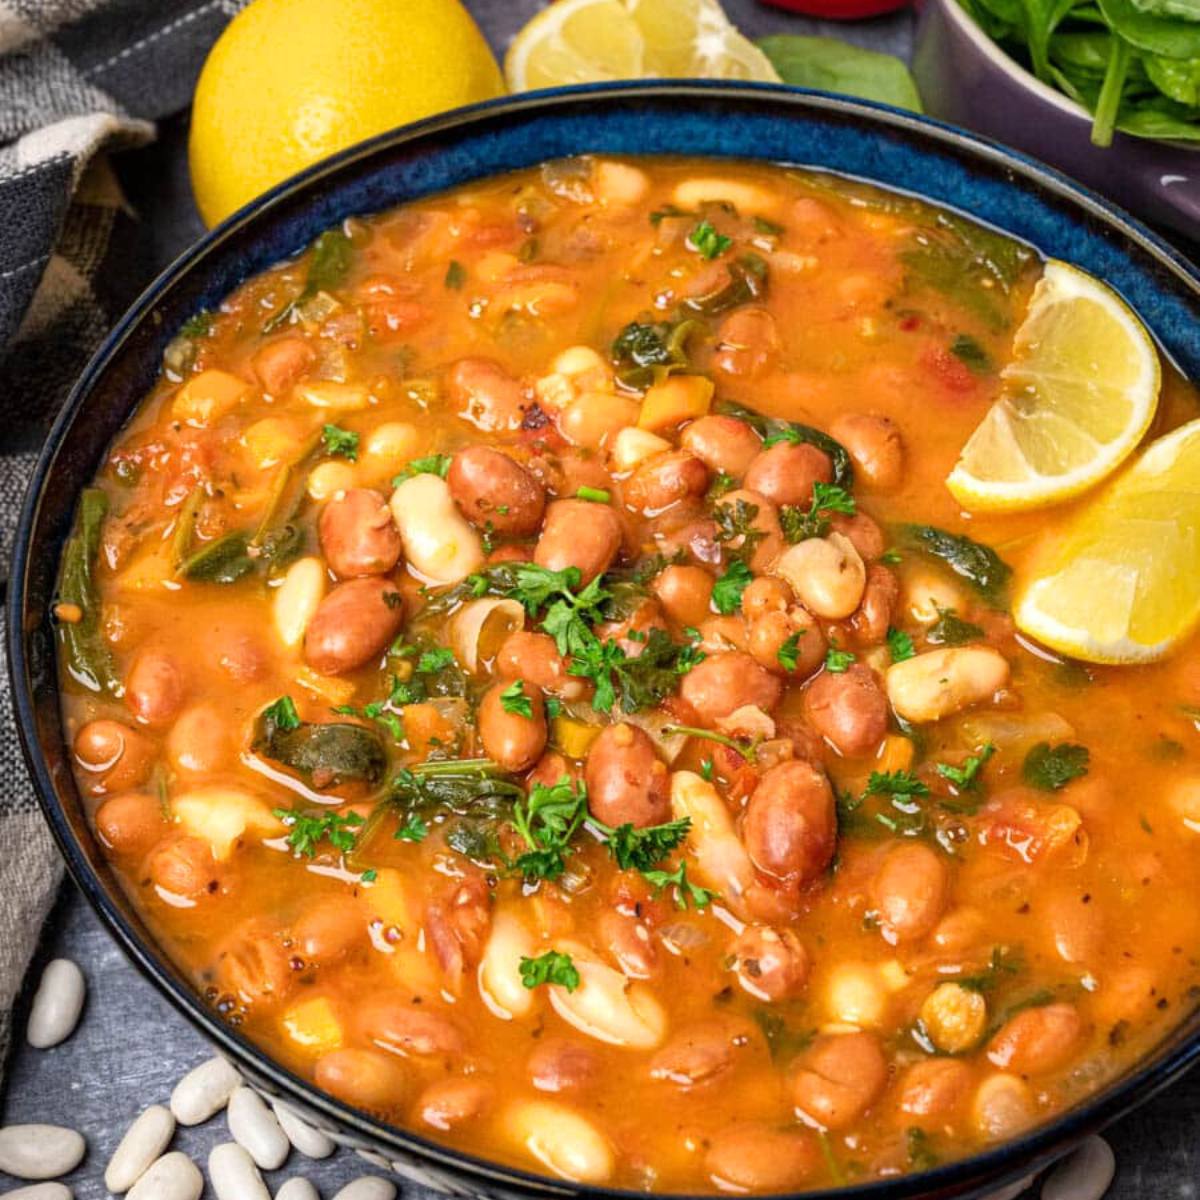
(574, 738)
(678, 398)
(313, 1025)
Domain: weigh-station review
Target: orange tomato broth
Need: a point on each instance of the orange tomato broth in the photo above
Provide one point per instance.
(1081, 897)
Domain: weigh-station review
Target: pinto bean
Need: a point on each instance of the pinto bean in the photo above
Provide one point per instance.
(115, 755)
(862, 532)
(697, 1054)
(254, 965)
(747, 343)
(154, 688)
(772, 631)
(790, 825)
(559, 1065)
(364, 1078)
(685, 592)
(761, 1158)
(449, 1103)
(534, 658)
(513, 740)
(358, 535)
(827, 574)
(910, 891)
(281, 362)
(628, 941)
(665, 480)
(874, 616)
(849, 710)
(130, 823)
(353, 625)
(490, 488)
(329, 929)
(935, 1089)
(764, 522)
(722, 444)
(578, 533)
(1037, 1040)
(941, 682)
(771, 964)
(627, 782)
(786, 472)
(483, 393)
(875, 445)
(840, 1078)
(727, 681)
(184, 866)
(457, 926)
(409, 1029)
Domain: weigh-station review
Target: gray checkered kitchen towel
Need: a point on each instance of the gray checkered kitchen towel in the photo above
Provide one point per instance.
(78, 78)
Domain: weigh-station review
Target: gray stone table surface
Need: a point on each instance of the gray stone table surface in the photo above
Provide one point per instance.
(131, 1046)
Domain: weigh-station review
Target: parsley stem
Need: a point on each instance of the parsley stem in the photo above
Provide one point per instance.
(748, 750)
(596, 495)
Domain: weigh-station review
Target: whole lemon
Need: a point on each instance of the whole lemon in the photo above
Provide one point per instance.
(291, 81)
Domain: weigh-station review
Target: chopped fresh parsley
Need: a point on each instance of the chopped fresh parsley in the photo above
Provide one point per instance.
(799, 525)
(727, 591)
(837, 661)
(551, 967)
(434, 660)
(1003, 962)
(547, 819)
(553, 707)
(595, 495)
(341, 442)
(966, 777)
(951, 630)
(642, 681)
(783, 1042)
(282, 714)
(900, 645)
(306, 831)
(891, 557)
(722, 482)
(706, 769)
(788, 655)
(969, 352)
(921, 1155)
(456, 275)
(895, 783)
(431, 464)
(735, 522)
(1053, 767)
(414, 829)
(198, 325)
(369, 876)
(687, 893)
(643, 849)
(513, 700)
(707, 241)
(768, 228)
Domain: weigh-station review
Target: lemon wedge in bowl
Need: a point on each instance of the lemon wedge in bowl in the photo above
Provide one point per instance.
(582, 41)
(1078, 396)
(1122, 583)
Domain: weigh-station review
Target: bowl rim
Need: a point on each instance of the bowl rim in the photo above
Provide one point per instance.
(990, 1168)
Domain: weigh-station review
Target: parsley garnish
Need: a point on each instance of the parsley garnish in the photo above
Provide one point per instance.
(551, 967)
(951, 630)
(431, 464)
(595, 495)
(338, 441)
(727, 591)
(966, 777)
(1053, 767)
(706, 769)
(921, 1156)
(306, 831)
(900, 645)
(513, 700)
(707, 241)
(282, 714)
(969, 352)
(687, 893)
(837, 661)
(736, 521)
(1003, 962)
(799, 525)
(413, 830)
(434, 660)
(895, 783)
(548, 818)
(722, 482)
(643, 849)
(789, 653)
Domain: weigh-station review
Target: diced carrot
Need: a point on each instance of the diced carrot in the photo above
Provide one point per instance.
(896, 754)
(678, 398)
(424, 723)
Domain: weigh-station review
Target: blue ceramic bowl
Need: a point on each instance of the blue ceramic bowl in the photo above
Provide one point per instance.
(966, 78)
(873, 143)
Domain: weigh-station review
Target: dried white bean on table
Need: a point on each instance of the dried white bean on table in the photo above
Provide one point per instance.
(204, 1091)
(297, 1189)
(57, 1004)
(40, 1151)
(1085, 1174)
(233, 1174)
(312, 1143)
(172, 1177)
(40, 1191)
(369, 1187)
(143, 1142)
(256, 1130)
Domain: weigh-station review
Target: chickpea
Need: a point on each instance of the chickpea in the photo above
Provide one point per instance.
(697, 1054)
(941, 682)
(154, 688)
(771, 964)
(409, 1029)
(329, 929)
(534, 658)
(578, 533)
(685, 592)
(116, 754)
(629, 942)
(954, 1018)
(559, 1065)
(199, 741)
(596, 418)
(827, 574)
(766, 594)
(909, 892)
(786, 472)
(1037, 1040)
(747, 343)
(254, 966)
(365, 1078)
(764, 521)
(490, 488)
(727, 681)
(626, 780)
(875, 445)
(871, 622)
(790, 826)
(484, 394)
(130, 823)
(849, 710)
(856, 995)
(358, 535)
(934, 1088)
(184, 866)
(770, 633)
(722, 444)
(1003, 1107)
(840, 1078)
(354, 624)
(449, 1103)
(761, 1158)
(513, 740)
(668, 479)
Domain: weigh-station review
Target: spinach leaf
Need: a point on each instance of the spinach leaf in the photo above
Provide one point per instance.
(88, 657)
(1149, 26)
(746, 281)
(326, 755)
(332, 254)
(831, 65)
(793, 431)
(1053, 767)
(647, 352)
(224, 560)
(1177, 79)
(979, 565)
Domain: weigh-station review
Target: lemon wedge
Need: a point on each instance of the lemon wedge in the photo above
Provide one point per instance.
(581, 41)
(1123, 581)
(1077, 398)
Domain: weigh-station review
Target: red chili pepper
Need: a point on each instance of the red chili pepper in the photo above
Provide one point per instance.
(840, 10)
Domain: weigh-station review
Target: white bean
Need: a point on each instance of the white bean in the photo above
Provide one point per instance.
(233, 1174)
(438, 542)
(40, 1151)
(606, 1006)
(720, 857)
(312, 1143)
(297, 1189)
(500, 982)
(143, 1142)
(204, 1091)
(561, 1139)
(940, 682)
(827, 574)
(172, 1177)
(56, 1005)
(1082, 1175)
(256, 1130)
(297, 598)
(368, 1187)
(40, 1191)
